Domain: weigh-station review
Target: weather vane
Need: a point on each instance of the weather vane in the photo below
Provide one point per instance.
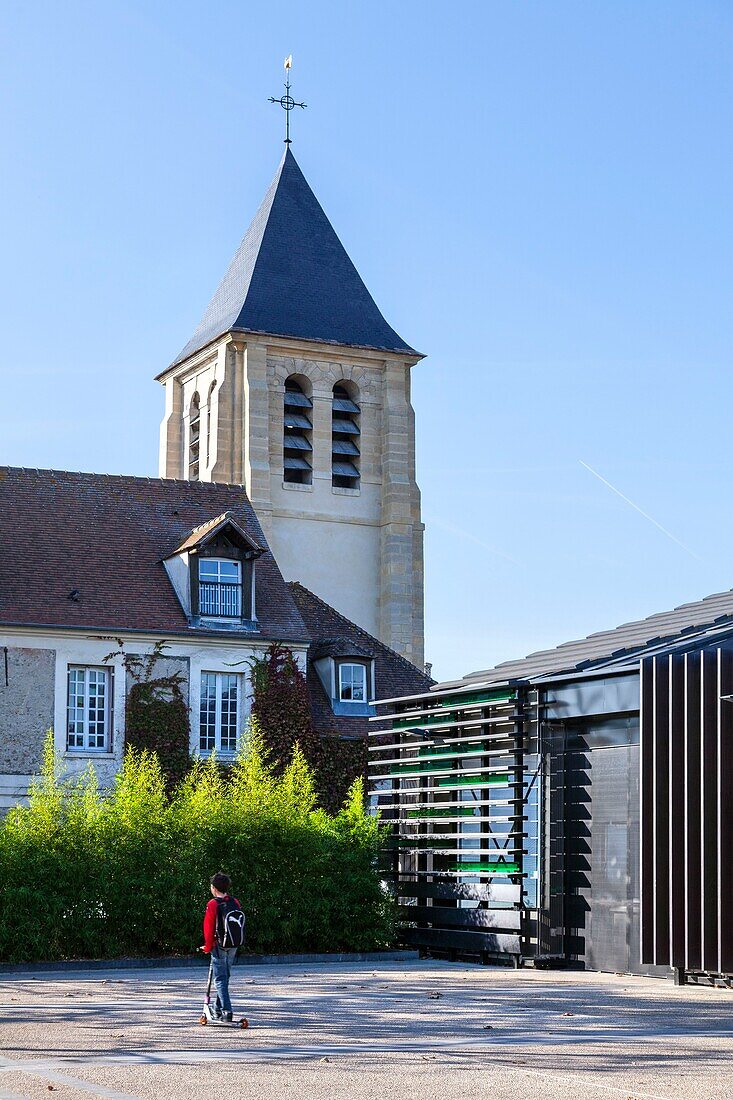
(286, 101)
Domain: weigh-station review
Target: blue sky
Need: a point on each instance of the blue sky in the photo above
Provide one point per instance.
(538, 195)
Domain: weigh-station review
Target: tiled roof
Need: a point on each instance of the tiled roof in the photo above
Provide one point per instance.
(392, 673)
(291, 276)
(340, 647)
(104, 539)
(628, 640)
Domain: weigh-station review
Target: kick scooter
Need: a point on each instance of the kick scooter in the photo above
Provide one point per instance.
(208, 1016)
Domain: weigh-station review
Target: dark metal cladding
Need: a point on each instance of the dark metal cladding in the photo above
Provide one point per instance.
(687, 811)
(709, 790)
(662, 812)
(725, 801)
(677, 807)
(647, 810)
(693, 868)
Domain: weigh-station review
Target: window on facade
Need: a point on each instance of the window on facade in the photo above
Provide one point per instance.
(297, 434)
(345, 434)
(88, 709)
(220, 587)
(194, 438)
(352, 683)
(219, 712)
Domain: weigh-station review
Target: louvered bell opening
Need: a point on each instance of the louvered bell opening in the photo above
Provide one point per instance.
(297, 426)
(297, 443)
(296, 462)
(296, 467)
(345, 469)
(345, 405)
(344, 426)
(344, 447)
(296, 399)
(297, 420)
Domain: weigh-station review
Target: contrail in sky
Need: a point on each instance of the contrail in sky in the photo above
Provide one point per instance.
(453, 530)
(640, 510)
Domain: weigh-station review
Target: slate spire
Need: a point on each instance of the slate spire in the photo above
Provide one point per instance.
(291, 276)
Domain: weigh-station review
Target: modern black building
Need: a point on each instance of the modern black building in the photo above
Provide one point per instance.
(574, 807)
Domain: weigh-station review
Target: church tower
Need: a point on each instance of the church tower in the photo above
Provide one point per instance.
(294, 386)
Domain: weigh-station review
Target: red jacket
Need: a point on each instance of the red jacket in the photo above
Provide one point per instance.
(210, 923)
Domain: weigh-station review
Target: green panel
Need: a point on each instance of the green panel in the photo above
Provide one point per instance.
(402, 770)
(456, 701)
(502, 696)
(437, 750)
(410, 769)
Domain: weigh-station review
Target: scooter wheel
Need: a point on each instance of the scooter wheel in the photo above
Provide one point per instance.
(203, 1021)
(244, 1023)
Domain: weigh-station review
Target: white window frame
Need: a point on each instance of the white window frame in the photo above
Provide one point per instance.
(208, 613)
(364, 680)
(214, 709)
(83, 732)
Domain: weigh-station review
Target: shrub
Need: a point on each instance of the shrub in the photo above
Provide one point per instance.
(86, 874)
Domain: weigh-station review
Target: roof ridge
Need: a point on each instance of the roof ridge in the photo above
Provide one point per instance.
(360, 629)
(214, 520)
(126, 477)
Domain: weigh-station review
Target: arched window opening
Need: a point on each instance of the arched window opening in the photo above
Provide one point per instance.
(194, 431)
(297, 434)
(345, 434)
(209, 399)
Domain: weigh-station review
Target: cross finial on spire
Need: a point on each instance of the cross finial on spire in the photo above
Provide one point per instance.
(286, 101)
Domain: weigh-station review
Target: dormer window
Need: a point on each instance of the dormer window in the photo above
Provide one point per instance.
(352, 683)
(220, 588)
(213, 574)
(346, 671)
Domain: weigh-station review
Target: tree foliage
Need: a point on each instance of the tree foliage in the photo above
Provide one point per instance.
(281, 706)
(156, 714)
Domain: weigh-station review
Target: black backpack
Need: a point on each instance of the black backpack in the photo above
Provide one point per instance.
(229, 923)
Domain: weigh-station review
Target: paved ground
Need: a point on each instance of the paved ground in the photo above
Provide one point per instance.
(437, 1031)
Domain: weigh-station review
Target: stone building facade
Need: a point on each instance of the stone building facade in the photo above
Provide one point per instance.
(109, 581)
(293, 313)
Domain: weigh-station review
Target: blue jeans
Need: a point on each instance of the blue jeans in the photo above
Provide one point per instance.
(221, 960)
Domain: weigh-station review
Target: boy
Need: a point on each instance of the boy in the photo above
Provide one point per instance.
(221, 906)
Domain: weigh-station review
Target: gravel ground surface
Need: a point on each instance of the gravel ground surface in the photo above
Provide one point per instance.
(434, 1030)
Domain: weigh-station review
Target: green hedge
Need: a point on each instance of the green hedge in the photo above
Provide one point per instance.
(91, 875)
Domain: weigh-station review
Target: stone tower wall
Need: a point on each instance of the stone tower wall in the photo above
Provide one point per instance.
(361, 549)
